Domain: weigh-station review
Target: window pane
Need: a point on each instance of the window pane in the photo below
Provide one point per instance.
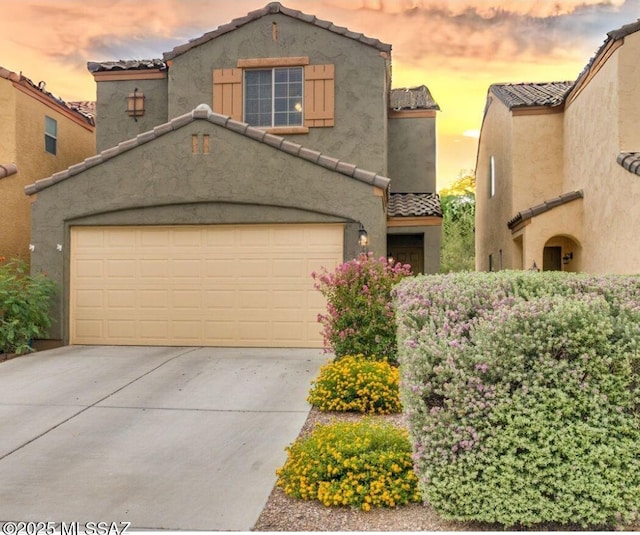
(295, 74)
(51, 126)
(50, 144)
(273, 97)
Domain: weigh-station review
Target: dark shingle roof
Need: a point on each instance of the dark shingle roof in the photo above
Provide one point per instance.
(203, 112)
(126, 65)
(543, 207)
(40, 87)
(269, 9)
(523, 95)
(414, 205)
(412, 98)
(8, 169)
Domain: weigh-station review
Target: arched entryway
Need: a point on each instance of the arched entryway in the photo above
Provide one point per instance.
(561, 253)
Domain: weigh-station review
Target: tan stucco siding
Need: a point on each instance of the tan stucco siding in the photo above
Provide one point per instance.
(7, 122)
(74, 143)
(611, 194)
(628, 84)
(492, 213)
(537, 159)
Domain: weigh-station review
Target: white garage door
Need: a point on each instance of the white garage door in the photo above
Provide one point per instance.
(240, 285)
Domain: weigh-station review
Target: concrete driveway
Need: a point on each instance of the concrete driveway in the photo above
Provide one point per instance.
(176, 438)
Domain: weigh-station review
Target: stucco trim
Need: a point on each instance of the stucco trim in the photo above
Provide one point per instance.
(8, 169)
(203, 112)
(272, 62)
(119, 76)
(271, 9)
(412, 114)
(516, 222)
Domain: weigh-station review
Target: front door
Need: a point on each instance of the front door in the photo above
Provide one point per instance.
(407, 249)
(552, 259)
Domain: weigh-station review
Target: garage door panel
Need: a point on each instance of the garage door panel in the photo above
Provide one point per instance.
(243, 285)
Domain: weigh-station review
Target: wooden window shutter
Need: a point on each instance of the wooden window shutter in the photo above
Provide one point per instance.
(319, 92)
(227, 92)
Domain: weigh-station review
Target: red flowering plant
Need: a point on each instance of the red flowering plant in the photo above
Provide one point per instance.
(360, 318)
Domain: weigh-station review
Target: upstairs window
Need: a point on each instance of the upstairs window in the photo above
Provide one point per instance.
(50, 135)
(282, 95)
(273, 97)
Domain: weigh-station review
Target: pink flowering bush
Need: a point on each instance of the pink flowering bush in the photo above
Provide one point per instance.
(360, 318)
(522, 392)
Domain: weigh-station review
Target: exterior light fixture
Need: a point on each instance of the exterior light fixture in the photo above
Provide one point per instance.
(363, 237)
(390, 259)
(567, 258)
(135, 107)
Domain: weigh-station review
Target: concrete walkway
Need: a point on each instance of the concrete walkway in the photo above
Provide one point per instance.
(162, 437)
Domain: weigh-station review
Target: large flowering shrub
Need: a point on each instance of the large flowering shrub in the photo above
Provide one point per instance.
(356, 383)
(360, 318)
(522, 392)
(361, 464)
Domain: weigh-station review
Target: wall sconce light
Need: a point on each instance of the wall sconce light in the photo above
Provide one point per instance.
(32, 247)
(59, 247)
(390, 259)
(135, 106)
(567, 258)
(363, 237)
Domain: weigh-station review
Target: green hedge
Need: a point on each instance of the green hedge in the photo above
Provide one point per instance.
(522, 394)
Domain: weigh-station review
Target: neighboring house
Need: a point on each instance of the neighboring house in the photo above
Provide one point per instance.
(229, 171)
(39, 135)
(557, 168)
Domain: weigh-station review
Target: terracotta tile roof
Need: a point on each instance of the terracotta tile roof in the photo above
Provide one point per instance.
(87, 107)
(20, 79)
(524, 95)
(630, 161)
(545, 206)
(203, 112)
(269, 9)
(126, 65)
(8, 169)
(414, 205)
(412, 98)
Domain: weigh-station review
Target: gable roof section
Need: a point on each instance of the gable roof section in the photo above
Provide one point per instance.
(39, 91)
(127, 65)
(412, 98)
(203, 112)
(525, 95)
(543, 207)
(614, 39)
(270, 9)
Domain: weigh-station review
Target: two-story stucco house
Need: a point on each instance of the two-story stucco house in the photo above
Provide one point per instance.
(557, 168)
(39, 135)
(229, 171)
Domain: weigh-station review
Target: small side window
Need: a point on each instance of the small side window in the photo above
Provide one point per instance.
(492, 177)
(50, 135)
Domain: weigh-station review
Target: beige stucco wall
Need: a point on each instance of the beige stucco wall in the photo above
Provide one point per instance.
(493, 213)
(22, 142)
(599, 124)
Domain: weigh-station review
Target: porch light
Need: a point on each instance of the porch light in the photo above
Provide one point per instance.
(363, 237)
(390, 259)
(567, 258)
(135, 107)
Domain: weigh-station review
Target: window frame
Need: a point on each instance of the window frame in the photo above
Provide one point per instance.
(492, 176)
(50, 138)
(273, 97)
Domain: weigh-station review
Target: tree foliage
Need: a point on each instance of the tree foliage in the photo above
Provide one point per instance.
(457, 252)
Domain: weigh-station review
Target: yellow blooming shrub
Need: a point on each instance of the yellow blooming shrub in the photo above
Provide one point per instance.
(354, 383)
(361, 464)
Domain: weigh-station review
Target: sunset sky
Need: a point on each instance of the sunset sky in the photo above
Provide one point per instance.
(455, 47)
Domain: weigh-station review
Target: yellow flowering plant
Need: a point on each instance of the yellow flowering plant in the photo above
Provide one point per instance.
(358, 384)
(363, 464)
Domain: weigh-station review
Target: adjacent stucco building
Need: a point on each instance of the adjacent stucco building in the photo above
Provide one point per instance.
(39, 135)
(557, 168)
(227, 172)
